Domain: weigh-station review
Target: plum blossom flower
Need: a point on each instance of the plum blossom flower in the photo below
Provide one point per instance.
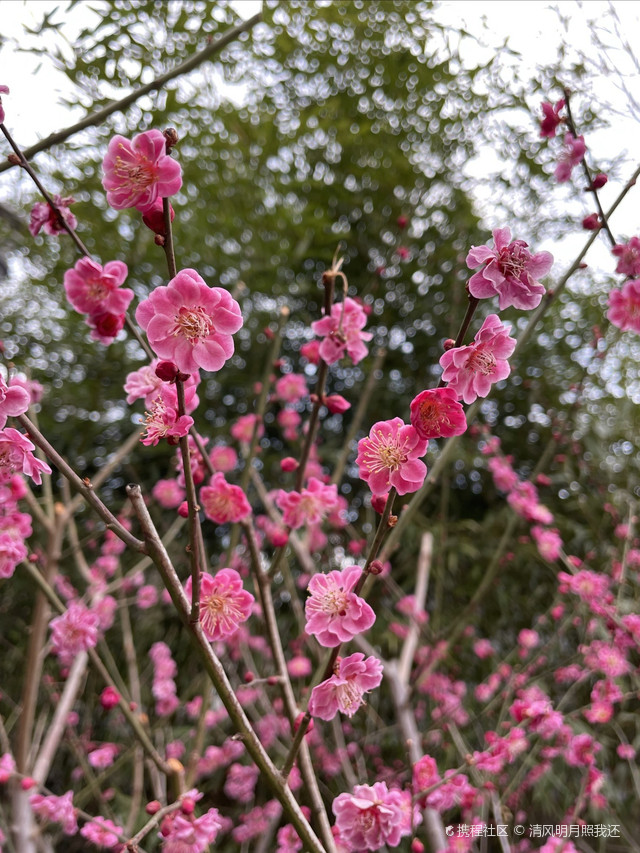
(12, 552)
(103, 756)
(4, 90)
(342, 332)
(14, 401)
(551, 118)
(291, 387)
(190, 323)
(162, 421)
(510, 271)
(57, 810)
(242, 429)
(624, 307)
(224, 603)
(504, 477)
(572, 155)
(184, 833)
(168, 493)
(223, 502)
(45, 216)
(310, 506)
(105, 326)
(472, 370)
(523, 499)
(223, 458)
(93, 289)
(353, 677)
(373, 816)
(628, 255)
(549, 542)
(74, 632)
(16, 454)
(390, 457)
(102, 832)
(7, 767)
(335, 614)
(138, 171)
(436, 413)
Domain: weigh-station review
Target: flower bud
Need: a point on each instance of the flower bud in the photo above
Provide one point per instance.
(289, 464)
(167, 371)
(376, 567)
(599, 181)
(448, 344)
(379, 502)
(336, 404)
(153, 807)
(153, 217)
(402, 221)
(183, 510)
(591, 222)
(171, 137)
(109, 698)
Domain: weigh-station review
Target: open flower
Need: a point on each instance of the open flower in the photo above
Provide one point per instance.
(510, 271)
(223, 502)
(628, 255)
(473, 369)
(353, 677)
(44, 216)
(14, 400)
(342, 332)
(73, 632)
(436, 413)
(162, 421)
(138, 171)
(224, 603)
(93, 289)
(624, 307)
(335, 614)
(190, 323)
(373, 816)
(390, 457)
(310, 506)
(16, 456)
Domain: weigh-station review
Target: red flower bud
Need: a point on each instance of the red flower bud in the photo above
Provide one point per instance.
(591, 222)
(183, 510)
(167, 371)
(402, 221)
(153, 218)
(448, 344)
(599, 181)
(378, 503)
(336, 404)
(289, 464)
(153, 807)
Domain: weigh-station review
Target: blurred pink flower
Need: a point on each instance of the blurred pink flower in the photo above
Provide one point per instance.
(223, 458)
(56, 810)
(436, 413)
(222, 502)
(335, 614)
(103, 756)
(551, 118)
(624, 307)
(472, 370)
(242, 429)
(182, 833)
(390, 457)
(342, 332)
(291, 387)
(310, 506)
(224, 603)
(168, 493)
(190, 323)
(92, 289)
(549, 542)
(12, 552)
(44, 216)
(16, 455)
(102, 832)
(74, 632)
(628, 255)
(14, 400)
(353, 677)
(510, 271)
(572, 155)
(138, 171)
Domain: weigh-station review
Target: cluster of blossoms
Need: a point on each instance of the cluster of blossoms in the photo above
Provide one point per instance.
(96, 291)
(164, 686)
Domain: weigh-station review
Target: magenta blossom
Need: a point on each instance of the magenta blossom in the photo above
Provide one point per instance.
(373, 816)
(44, 216)
(92, 289)
(102, 832)
(4, 90)
(12, 552)
(224, 603)
(139, 171)
(74, 632)
(551, 118)
(16, 455)
(624, 307)
(57, 810)
(549, 542)
(223, 502)
(628, 255)
(473, 369)
(342, 332)
(14, 401)
(353, 677)
(436, 413)
(190, 323)
(162, 421)
(310, 506)
(335, 614)
(185, 833)
(510, 271)
(390, 456)
(572, 155)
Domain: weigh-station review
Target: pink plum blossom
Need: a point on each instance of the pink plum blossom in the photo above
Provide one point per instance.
(628, 255)
(311, 351)
(241, 781)
(93, 289)
(342, 332)
(504, 477)
(102, 832)
(16, 455)
(523, 499)
(549, 542)
(14, 400)
(571, 156)
(153, 217)
(436, 413)
(57, 810)
(224, 603)
(472, 370)
(624, 307)
(145, 383)
(74, 632)
(103, 756)
(185, 833)
(551, 118)
(373, 816)
(510, 271)
(7, 767)
(162, 421)
(4, 90)
(223, 458)
(12, 552)
(138, 171)
(353, 677)
(291, 388)
(168, 493)
(335, 614)
(242, 429)
(222, 502)
(190, 323)
(44, 216)
(310, 506)
(390, 457)
(105, 326)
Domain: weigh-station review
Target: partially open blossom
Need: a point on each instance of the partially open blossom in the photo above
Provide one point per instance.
(184, 833)
(472, 370)
(373, 816)
(551, 118)
(105, 326)
(56, 810)
(571, 156)
(335, 614)
(190, 323)
(436, 413)
(624, 307)
(591, 222)
(510, 271)
(75, 631)
(14, 400)
(310, 506)
(390, 456)
(224, 603)
(153, 217)
(342, 332)
(628, 255)
(353, 677)
(162, 421)
(337, 404)
(44, 216)
(4, 90)
(16, 456)
(138, 171)
(109, 698)
(223, 502)
(102, 832)
(93, 289)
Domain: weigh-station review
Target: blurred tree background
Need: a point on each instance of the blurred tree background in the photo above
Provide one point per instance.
(351, 124)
